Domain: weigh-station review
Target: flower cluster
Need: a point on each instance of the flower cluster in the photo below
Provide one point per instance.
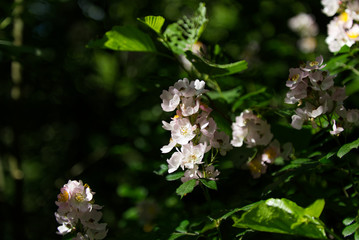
(193, 131)
(314, 90)
(250, 129)
(253, 131)
(305, 26)
(343, 29)
(77, 214)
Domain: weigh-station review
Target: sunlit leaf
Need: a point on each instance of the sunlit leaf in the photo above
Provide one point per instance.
(154, 22)
(316, 208)
(125, 39)
(181, 36)
(216, 70)
(347, 148)
(283, 216)
(348, 221)
(349, 230)
(186, 187)
(209, 183)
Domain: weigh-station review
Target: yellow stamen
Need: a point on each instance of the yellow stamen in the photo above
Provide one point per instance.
(63, 196)
(353, 35)
(294, 78)
(79, 197)
(344, 17)
(184, 130)
(313, 63)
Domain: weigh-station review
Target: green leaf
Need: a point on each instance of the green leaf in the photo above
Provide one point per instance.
(162, 170)
(316, 208)
(174, 176)
(229, 96)
(186, 187)
(349, 230)
(216, 70)
(347, 148)
(297, 163)
(356, 235)
(154, 22)
(125, 39)
(348, 221)
(176, 235)
(283, 216)
(182, 228)
(209, 183)
(240, 101)
(181, 36)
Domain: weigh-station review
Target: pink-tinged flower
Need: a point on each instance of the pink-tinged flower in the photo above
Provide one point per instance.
(175, 161)
(170, 101)
(189, 106)
(77, 212)
(192, 155)
(336, 130)
(199, 86)
(321, 80)
(339, 95)
(298, 92)
(330, 7)
(250, 129)
(312, 111)
(184, 88)
(183, 131)
(313, 65)
(296, 75)
(211, 173)
(221, 141)
(271, 152)
(190, 174)
(299, 118)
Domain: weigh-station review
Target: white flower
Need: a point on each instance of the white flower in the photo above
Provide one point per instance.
(312, 65)
(339, 33)
(304, 24)
(336, 130)
(330, 7)
(77, 212)
(175, 161)
(307, 44)
(271, 152)
(251, 129)
(299, 118)
(189, 106)
(182, 131)
(211, 173)
(192, 155)
(191, 174)
(170, 100)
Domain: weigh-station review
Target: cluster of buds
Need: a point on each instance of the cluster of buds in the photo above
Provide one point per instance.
(343, 29)
(193, 131)
(305, 26)
(321, 101)
(253, 131)
(77, 214)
